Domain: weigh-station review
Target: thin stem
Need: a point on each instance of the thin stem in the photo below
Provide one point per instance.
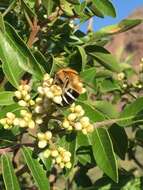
(15, 147)
(22, 170)
(9, 8)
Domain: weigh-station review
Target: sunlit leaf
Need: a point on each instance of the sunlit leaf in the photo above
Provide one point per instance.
(36, 169)
(103, 152)
(10, 179)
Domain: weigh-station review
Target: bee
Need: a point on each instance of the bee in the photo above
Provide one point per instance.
(69, 81)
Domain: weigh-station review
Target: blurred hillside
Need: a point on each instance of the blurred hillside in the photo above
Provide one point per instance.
(131, 42)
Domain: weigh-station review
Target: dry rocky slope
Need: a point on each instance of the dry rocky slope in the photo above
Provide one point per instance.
(131, 41)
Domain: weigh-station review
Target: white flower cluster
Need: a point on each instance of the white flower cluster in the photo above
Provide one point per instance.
(26, 120)
(59, 156)
(77, 121)
(8, 121)
(44, 139)
(23, 95)
(50, 90)
(11, 120)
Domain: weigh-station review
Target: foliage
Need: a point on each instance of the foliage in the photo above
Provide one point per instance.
(39, 37)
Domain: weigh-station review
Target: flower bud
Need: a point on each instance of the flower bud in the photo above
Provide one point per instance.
(84, 121)
(40, 90)
(58, 159)
(42, 143)
(46, 77)
(57, 99)
(38, 120)
(31, 102)
(27, 97)
(22, 123)
(3, 121)
(62, 165)
(31, 124)
(38, 109)
(47, 153)
(48, 135)
(78, 109)
(66, 124)
(18, 94)
(16, 121)
(71, 117)
(41, 136)
(66, 158)
(10, 115)
(78, 126)
(68, 165)
(84, 131)
(54, 153)
(22, 103)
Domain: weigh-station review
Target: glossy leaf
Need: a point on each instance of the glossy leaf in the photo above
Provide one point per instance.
(103, 152)
(106, 108)
(106, 7)
(88, 75)
(48, 4)
(83, 56)
(103, 57)
(122, 26)
(16, 57)
(10, 179)
(6, 98)
(36, 169)
(9, 108)
(119, 139)
(129, 114)
(74, 1)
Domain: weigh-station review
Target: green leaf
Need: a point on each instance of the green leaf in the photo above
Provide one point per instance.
(48, 4)
(122, 26)
(36, 169)
(74, 1)
(109, 85)
(131, 111)
(103, 57)
(88, 75)
(82, 140)
(8, 174)
(2, 26)
(106, 108)
(9, 108)
(83, 56)
(119, 139)
(139, 135)
(66, 7)
(27, 9)
(93, 114)
(6, 98)
(16, 57)
(105, 7)
(103, 152)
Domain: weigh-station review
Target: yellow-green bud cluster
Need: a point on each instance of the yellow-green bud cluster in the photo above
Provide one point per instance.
(44, 138)
(23, 95)
(8, 121)
(50, 90)
(11, 120)
(26, 120)
(59, 156)
(77, 121)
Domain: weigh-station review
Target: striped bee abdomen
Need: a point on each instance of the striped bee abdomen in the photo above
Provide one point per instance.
(69, 97)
